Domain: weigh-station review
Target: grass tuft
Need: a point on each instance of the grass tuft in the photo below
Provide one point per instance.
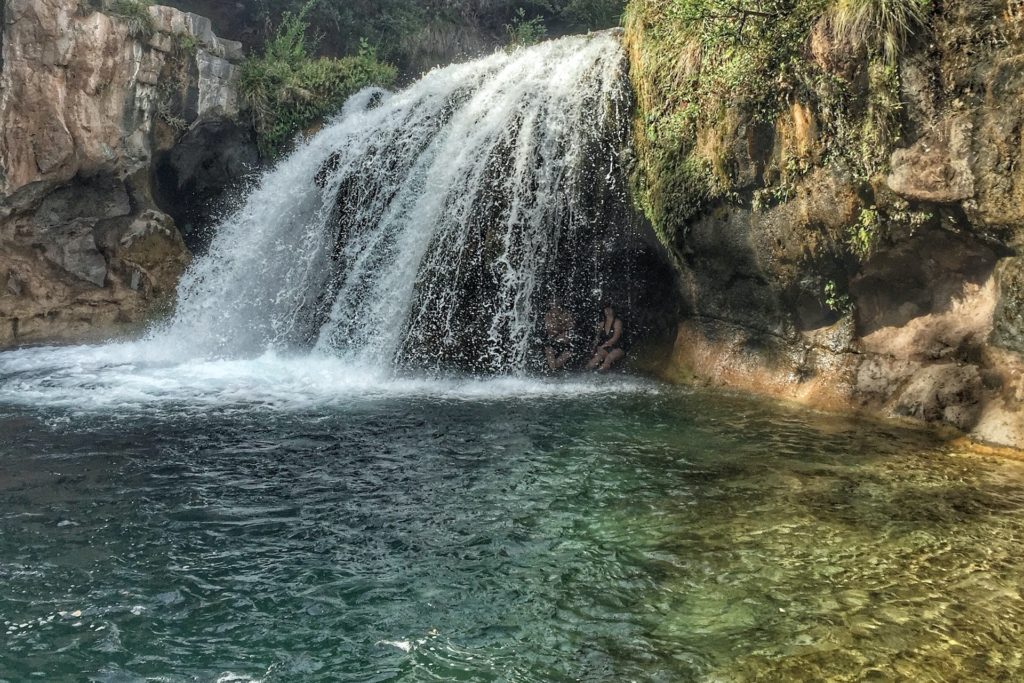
(882, 26)
(135, 13)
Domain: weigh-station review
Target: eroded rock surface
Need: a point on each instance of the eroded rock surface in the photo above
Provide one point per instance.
(897, 292)
(87, 102)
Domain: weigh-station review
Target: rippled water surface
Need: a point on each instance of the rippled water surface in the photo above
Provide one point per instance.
(290, 521)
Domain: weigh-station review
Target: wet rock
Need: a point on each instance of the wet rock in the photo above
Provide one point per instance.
(73, 248)
(927, 298)
(86, 199)
(14, 286)
(204, 175)
(943, 393)
(1008, 331)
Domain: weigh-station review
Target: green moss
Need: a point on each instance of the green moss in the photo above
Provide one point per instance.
(288, 91)
(699, 67)
(711, 75)
(188, 44)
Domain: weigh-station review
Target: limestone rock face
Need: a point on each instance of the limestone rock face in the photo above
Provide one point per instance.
(87, 103)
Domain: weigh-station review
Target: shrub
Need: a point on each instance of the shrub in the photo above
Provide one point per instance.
(863, 236)
(579, 14)
(883, 26)
(188, 44)
(135, 14)
(591, 14)
(523, 32)
(287, 90)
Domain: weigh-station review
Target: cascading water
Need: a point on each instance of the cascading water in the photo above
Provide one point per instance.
(427, 228)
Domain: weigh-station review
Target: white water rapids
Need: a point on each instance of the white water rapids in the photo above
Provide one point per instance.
(419, 230)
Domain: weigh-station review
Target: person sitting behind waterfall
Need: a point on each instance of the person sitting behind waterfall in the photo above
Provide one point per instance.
(558, 336)
(608, 342)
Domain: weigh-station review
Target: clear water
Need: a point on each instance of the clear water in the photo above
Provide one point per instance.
(285, 519)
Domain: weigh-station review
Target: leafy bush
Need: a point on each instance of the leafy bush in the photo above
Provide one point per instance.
(863, 236)
(136, 14)
(287, 90)
(572, 15)
(592, 14)
(882, 26)
(393, 26)
(523, 32)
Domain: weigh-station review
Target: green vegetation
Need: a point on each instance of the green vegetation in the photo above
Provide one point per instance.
(136, 14)
(188, 44)
(863, 235)
(882, 26)
(742, 98)
(523, 32)
(292, 85)
(572, 15)
(287, 90)
(396, 27)
(706, 68)
(836, 301)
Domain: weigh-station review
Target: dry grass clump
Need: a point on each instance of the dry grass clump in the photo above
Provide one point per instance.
(883, 26)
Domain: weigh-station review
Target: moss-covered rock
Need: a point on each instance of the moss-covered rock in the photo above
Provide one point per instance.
(804, 170)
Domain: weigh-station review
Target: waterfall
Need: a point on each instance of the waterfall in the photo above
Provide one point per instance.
(426, 228)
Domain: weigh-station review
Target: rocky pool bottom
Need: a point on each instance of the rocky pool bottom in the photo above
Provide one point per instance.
(293, 520)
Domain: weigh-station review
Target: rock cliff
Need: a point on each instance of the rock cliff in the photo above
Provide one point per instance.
(849, 239)
(90, 98)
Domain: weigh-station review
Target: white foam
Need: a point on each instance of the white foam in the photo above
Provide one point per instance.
(133, 376)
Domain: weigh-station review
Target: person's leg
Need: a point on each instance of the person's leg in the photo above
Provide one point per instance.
(563, 360)
(549, 356)
(611, 359)
(599, 357)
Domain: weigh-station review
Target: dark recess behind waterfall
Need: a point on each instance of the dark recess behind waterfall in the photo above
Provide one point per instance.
(608, 251)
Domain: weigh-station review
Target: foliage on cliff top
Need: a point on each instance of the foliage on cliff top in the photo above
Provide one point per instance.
(287, 90)
(523, 32)
(395, 27)
(712, 75)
